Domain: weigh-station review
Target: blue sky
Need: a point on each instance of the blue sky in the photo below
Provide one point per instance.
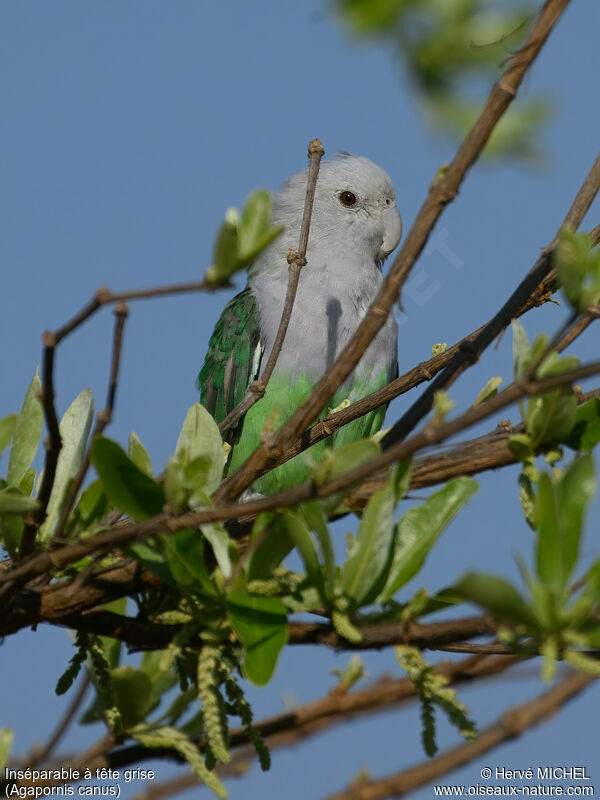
(127, 130)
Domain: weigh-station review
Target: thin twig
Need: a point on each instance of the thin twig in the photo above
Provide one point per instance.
(296, 260)
(103, 417)
(104, 296)
(442, 191)
(510, 725)
(53, 446)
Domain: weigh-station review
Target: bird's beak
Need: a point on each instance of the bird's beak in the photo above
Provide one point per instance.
(392, 231)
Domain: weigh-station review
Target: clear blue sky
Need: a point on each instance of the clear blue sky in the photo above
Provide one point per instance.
(127, 130)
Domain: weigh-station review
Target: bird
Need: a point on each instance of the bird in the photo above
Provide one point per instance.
(355, 225)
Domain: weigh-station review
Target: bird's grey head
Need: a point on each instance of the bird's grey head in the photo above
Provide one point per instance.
(354, 212)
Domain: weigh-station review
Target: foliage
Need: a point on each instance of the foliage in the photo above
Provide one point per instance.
(449, 49)
(241, 237)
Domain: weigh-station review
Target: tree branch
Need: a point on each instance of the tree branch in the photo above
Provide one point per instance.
(296, 260)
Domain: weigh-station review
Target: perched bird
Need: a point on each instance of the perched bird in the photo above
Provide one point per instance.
(355, 225)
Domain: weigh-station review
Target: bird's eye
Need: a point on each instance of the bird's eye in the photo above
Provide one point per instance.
(388, 201)
(347, 198)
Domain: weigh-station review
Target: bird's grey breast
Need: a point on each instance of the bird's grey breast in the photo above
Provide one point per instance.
(329, 305)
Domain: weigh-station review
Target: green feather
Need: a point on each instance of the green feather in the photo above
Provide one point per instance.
(230, 365)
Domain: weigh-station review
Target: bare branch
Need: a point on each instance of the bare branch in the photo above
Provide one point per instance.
(53, 446)
(296, 260)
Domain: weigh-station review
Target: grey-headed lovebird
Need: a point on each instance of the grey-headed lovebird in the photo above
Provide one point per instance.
(355, 225)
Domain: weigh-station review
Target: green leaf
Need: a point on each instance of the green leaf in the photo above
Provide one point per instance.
(162, 679)
(11, 531)
(497, 596)
(578, 266)
(314, 517)
(575, 491)
(92, 506)
(74, 431)
(583, 662)
(28, 481)
(345, 458)
(26, 434)
(273, 547)
(139, 455)
(488, 391)
(549, 566)
(551, 416)
(400, 478)
(585, 434)
(126, 486)
(366, 563)
(12, 501)
(560, 508)
(225, 249)
(184, 557)
(353, 672)
(339, 461)
(6, 739)
(289, 525)
(254, 233)
(442, 406)
(521, 447)
(112, 647)
(216, 534)
(241, 238)
(261, 626)
(554, 364)
(200, 438)
(132, 693)
(342, 624)
(419, 529)
(521, 349)
(7, 428)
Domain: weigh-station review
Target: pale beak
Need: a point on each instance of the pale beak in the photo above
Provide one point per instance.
(392, 232)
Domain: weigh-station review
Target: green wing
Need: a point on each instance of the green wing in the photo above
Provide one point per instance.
(233, 358)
